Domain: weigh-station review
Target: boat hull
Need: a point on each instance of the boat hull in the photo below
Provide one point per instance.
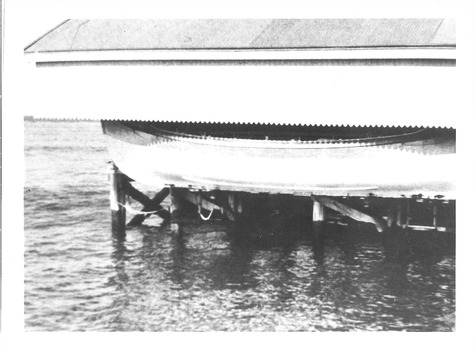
(388, 169)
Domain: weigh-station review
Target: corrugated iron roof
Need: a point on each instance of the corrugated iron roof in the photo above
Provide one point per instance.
(99, 35)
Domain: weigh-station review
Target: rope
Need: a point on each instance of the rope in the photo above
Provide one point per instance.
(205, 218)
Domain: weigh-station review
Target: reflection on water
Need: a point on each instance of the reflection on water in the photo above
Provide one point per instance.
(206, 280)
(213, 277)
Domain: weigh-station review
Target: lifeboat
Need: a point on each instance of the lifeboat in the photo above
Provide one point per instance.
(419, 160)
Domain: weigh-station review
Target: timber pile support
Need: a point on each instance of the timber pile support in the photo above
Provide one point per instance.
(120, 189)
(117, 200)
(350, 212)
(149, 205)
(412, 224)
(176, 210)
(405, 213)
(393, 216)
(318, 224)
(231, 204)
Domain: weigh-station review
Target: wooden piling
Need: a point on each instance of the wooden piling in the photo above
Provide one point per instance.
(234, 204)
(244, 204)
(392, 213)
(232, 201)
(176, 200)
(318, 222)
(117, 200)
(408, 213)
(240, 204)
(318, 212)
(399, 213)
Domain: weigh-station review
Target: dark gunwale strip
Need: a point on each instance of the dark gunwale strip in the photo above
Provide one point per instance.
(171, 136)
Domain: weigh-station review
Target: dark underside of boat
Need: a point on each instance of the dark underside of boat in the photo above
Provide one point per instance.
(292, 132)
